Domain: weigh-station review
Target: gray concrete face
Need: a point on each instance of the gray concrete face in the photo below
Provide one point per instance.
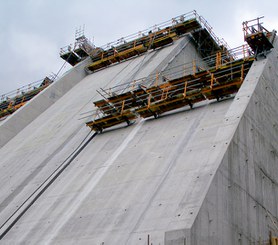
(12, 125)
(240, 206)
(174, 180)
(35, 152)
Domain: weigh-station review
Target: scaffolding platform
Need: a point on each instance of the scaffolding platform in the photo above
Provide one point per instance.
(80, 50)
(69, 56)
(115, 56)
(123, 101)
(14, 100)
(205, 43)
(162, 106)
(104, 106)
(81, 53)
(149, 97)
(157, 37)
(222, 90)
(258, 42)
(116, 103)
(108, 121)
(187, 26)
(257, 37)
(162, 41)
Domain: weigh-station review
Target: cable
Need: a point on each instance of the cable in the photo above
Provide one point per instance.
(111, 80)
(142, 61)
(55, 174)
(64, 64)
(66, 61)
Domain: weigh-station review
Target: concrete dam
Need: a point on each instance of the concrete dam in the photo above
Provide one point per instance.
(168, 137)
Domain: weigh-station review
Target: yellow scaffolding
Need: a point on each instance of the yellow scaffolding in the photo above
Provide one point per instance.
(12, 101)
(138, 99)
(258, 37)
(156, 37)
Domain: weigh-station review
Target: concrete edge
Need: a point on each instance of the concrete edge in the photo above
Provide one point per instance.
(12, 125)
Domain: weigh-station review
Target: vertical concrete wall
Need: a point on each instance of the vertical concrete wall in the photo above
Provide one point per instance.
(241, 204)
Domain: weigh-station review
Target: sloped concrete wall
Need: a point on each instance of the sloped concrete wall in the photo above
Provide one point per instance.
(111, 185)
(26, 114)
(241, 204)
(177, 180)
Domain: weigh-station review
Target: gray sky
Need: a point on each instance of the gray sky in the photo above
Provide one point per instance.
(33, 31)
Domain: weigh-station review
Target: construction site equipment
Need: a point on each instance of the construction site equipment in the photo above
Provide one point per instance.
(81, 49)
(152, 38)
(145, 99)
(12, 101)
(156, 37)
(67, 53)
(258, 38)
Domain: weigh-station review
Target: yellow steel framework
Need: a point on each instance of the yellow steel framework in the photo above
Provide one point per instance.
(156, 37)
(210, 84)
(12, 101)
(81, 49)
(258, 38)
(140, 98)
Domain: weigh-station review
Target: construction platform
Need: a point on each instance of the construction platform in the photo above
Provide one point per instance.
(138, 99)
(150, 39)
(194, 177)
(80, 50)
(12, 101)
(157, 37)
(258, 37)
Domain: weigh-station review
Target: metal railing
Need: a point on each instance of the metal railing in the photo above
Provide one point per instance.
(12, 101)
(192, 67)
(25, 89)
(253, 26)
(169, 23)
(157, 80)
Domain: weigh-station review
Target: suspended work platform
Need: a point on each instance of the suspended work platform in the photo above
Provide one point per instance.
(113, 111)
(81, 49)
(67, 54)
(258, 38)
(141, 99)
(12, 101)
(112, 120)
(152, 38)
(211, 84)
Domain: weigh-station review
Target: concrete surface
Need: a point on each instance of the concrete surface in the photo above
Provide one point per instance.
(240, 206)
(12, 125)
(200, 176)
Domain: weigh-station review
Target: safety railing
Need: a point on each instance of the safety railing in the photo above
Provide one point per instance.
(10, 102)
(208, 27)
(27, 88)
(221, 58)
(66, 49)
(169, 23)
(146, 32)
(144, 96)
(253, 26)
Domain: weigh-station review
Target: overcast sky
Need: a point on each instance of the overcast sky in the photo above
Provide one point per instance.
(33, 31)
